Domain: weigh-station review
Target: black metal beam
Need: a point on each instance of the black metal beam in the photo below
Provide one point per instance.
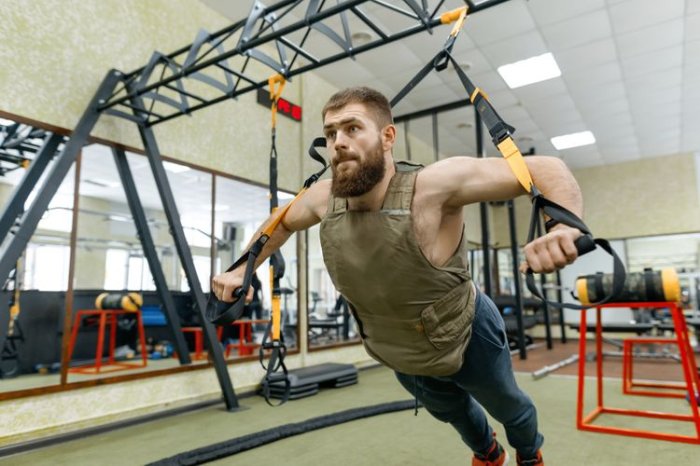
(15, 204)
(516, 280)
(149, 250)
(483, 209)
(429, 111)
(543, 282)
(185, 254)
(560, 298)
(243, 41)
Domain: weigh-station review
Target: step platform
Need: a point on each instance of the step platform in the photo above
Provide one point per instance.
(307, 381)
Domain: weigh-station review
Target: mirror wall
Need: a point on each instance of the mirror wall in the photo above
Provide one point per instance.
(219, 216)
(678, 251)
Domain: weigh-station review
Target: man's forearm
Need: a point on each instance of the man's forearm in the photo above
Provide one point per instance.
(556, 182)
(278, 237)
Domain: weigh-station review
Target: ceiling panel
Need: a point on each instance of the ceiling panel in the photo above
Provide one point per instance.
(692, 27)
(637, 14)
(630, 69)
(650, 39)
(526, 45)
(553, 11)
(578, 31)
(586, 56)
(507, 20)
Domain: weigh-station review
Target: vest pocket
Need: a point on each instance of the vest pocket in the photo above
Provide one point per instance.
(448, 319)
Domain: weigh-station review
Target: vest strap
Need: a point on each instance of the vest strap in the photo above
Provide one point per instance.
(400, 192)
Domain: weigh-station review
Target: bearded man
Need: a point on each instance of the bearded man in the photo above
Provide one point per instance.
(393, 242)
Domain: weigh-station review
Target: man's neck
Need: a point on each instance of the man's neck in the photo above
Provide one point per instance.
(374, 198)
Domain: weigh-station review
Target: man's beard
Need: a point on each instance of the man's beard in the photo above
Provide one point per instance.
(361, 179)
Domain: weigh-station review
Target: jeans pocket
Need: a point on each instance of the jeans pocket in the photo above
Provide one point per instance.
(488, 324)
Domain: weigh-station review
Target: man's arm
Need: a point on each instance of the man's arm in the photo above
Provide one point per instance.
(467, 180)
(308, 210)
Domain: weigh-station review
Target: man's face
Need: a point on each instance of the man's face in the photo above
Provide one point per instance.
(355, 146)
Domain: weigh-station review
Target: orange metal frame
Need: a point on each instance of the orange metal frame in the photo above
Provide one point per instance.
(670, 389)
(106, 317)
(690, 374)
(245, 345)
(199, 352)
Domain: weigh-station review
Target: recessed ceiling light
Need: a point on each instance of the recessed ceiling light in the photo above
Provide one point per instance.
(567, 141)
(361, 37)
(530, 71)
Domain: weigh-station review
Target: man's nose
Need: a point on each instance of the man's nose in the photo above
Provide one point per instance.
(341, 141)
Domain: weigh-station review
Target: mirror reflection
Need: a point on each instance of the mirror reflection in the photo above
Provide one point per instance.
(33, 295)
(681, 252)
(330, 320)
(117, 322)
(239, 210)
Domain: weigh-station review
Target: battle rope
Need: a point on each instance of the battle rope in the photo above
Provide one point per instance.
(258, 439)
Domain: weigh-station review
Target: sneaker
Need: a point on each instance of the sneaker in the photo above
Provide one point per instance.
(536, 461)
(496, 456)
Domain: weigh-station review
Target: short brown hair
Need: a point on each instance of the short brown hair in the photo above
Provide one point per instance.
(374, 100)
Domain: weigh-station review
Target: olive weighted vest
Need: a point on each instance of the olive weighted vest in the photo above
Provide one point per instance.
(413, 317)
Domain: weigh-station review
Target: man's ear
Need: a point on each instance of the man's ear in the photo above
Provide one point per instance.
(388, 137)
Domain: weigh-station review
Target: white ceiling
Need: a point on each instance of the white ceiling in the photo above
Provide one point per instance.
(630, 74)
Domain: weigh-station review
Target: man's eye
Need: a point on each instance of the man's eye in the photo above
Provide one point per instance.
(330, 135)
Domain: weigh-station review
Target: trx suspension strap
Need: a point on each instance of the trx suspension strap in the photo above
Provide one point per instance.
(272, 339)
(501, 135)
(219, 312)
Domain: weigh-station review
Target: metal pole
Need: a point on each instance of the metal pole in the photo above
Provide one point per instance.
(149, 250)
(516, 280)
(545, 306)
(436, 138)
(560, 298)
(166, 195)
(15, 204)
(483, 208)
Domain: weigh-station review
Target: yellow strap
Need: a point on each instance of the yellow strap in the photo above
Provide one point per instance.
(476, 92)
(276, 84)
(458, 14)
(276, 314)
(515, 160)
(280, 215)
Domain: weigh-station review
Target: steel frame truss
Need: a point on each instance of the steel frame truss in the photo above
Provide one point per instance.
(214, 68)
(238, 59)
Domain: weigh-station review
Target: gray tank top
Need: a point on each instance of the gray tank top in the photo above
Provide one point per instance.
(413, 317)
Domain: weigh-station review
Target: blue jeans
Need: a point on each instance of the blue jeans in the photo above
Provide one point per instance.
(485, 379)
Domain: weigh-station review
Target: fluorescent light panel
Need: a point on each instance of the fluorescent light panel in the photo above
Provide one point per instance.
(567, 141)
(529, 71)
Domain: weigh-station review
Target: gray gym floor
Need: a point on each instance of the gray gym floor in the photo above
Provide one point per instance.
(391, 439)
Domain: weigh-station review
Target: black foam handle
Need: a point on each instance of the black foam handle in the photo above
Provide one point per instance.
(584, 244)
